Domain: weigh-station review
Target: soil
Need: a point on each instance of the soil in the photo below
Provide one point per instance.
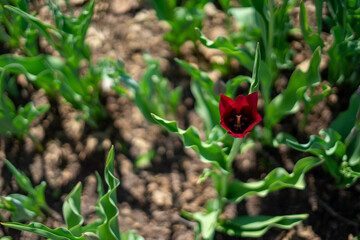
(150, 199)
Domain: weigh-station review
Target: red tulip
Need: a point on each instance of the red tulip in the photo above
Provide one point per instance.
(240, 116)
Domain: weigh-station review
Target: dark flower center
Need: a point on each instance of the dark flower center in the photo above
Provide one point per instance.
(237, 122)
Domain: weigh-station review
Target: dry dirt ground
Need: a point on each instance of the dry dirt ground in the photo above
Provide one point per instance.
(150, 199)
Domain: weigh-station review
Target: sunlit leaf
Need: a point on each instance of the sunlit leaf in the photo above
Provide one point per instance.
(256, 226)
(42, 230)
(287, 101)
(277, 179)
(208, 152)
(72, 210)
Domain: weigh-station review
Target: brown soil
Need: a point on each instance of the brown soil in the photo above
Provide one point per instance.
(150, 199)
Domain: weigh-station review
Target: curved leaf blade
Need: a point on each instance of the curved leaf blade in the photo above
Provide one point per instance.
(256, 226)
(72, 210)
(211, 153)
(42, 230)
(106, 207)
(277, 179)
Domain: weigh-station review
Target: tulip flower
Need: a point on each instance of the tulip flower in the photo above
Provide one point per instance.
(240, 116)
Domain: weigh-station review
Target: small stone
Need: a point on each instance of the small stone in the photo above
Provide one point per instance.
(161, 198)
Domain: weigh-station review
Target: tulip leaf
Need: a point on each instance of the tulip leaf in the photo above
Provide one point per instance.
(354, 152)
(207, 222)
(330, 144)
(28, 207)
(211, 153)
(43, 28)
(39, 69)
(223, 44)
(23, 181)
(106, 207)
(256, 226)
(330, 148)
(255, 80)
(207, 103)
(72, 210)
(131, 235)
(42, 230)
(19, 206)
(233, 84)
(313, 40)
(346, 119)
(277, 179)
(287, 101)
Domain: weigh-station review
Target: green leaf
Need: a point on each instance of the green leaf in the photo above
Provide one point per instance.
(207, 222)
(43, 28)
(224, 45)
(256, 226)
(91, 236)
(211, 153)
(72, 210)
(42, 230)
(106, 207)
(319, 7)
(354, 153)
(19, 206)
(207, 103)
(40, 195)
(164, 9)
(39, 69)
(144, 160)
(346, 119)
(6, 238)
(233, 84)
(313, 40)
(131, 235)
(277, 179)
(206, 106)
(330, 144)
(287, 102)
(255, 79)
(250, 21)
(23, 181)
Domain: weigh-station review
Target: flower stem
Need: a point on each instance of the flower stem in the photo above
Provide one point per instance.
(223, 179)
(234, 150)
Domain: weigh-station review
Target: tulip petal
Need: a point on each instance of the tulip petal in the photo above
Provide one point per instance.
(239, 103)
(229, 110)
(252, 100)
(225, 104)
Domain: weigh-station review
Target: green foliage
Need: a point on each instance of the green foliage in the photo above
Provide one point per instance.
(242, 55)
(63, 75)
(14, 29)
(15, 121)
(234, 190)
(182, 19)
(104, 228)
(25, 207)
(287, 102)
(277, 179)
(208, 152)
(344, 52)
(207, 102)
(214, 149)
(152, 94)
(269, 24)
(339, 145)
(310, 99)
(256, 226)
(312, 39)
